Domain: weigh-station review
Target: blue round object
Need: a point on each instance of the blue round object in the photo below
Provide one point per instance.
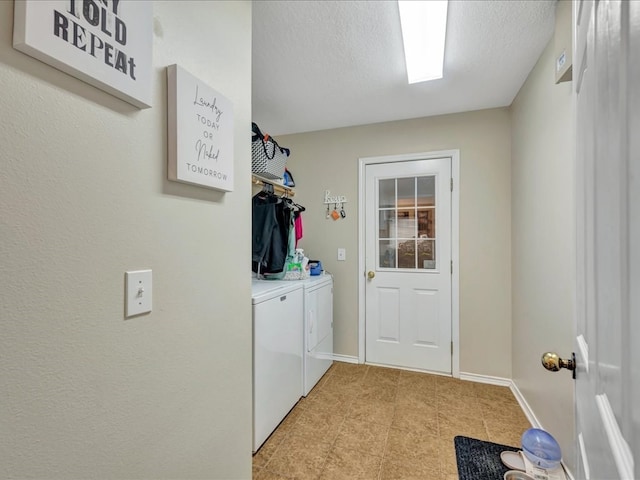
(541, 448)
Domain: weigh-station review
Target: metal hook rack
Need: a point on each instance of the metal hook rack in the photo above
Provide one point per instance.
(336, 200)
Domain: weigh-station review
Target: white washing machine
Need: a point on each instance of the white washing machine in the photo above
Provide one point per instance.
(318, 329)
(277, 353)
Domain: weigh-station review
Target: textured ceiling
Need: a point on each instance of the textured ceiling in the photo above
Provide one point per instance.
(326, 64)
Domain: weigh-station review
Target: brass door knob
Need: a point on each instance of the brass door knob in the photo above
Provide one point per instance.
(552, 362)
(371, 274)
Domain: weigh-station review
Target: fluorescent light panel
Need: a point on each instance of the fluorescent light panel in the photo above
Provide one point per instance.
(424, 28)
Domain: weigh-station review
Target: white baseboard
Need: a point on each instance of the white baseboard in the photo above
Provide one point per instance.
(345, 358)
(474, 377)
(533, 420)
(406, 369)
(505, 382)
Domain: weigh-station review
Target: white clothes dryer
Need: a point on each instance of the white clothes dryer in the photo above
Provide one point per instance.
(318, 329)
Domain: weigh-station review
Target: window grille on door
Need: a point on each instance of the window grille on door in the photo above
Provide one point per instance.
(407, 223)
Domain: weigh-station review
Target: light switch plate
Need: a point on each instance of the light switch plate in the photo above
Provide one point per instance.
(138, 290)
(342, 254)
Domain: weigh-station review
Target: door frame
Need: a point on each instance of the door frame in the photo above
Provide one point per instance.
(454, 155)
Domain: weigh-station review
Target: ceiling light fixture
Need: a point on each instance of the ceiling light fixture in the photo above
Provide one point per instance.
(424, 28)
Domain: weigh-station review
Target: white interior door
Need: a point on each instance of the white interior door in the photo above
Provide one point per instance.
(408, 262)
(606, 78)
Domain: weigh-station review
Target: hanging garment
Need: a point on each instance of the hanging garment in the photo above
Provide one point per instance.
(291, 245)
(298, 226)
(271, 219)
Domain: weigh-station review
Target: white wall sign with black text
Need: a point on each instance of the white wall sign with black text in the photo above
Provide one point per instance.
(200, 132)
(107, 43)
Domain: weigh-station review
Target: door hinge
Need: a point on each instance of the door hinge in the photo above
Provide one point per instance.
(452, 349)
(452, 184)
(451, 267)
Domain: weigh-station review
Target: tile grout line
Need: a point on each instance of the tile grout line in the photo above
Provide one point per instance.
(344, 419)
(384, 449)
(386, 440)
(326, 458)
(286, 436)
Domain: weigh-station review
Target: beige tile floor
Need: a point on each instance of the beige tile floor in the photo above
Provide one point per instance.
(366, 422)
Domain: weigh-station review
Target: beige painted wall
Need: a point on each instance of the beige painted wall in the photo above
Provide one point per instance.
(543, 242)
(84, 197)
(329, 160)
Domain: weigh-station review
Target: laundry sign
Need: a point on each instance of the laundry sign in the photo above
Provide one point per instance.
(200, 132)
(106, 43)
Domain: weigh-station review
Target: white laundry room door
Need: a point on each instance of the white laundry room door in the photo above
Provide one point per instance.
(408, 264)
(606, 75)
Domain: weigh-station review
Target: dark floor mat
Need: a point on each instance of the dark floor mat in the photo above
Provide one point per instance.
(480, 460)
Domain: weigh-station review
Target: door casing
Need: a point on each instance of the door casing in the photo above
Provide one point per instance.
(455, 245)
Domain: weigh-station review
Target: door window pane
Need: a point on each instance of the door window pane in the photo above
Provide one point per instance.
(406, 223)
(387, 225)
(387, 253)
(387, 193)
(426, 191)
(427, 223)
(427, 254)
(407, 254)
(406, 192)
